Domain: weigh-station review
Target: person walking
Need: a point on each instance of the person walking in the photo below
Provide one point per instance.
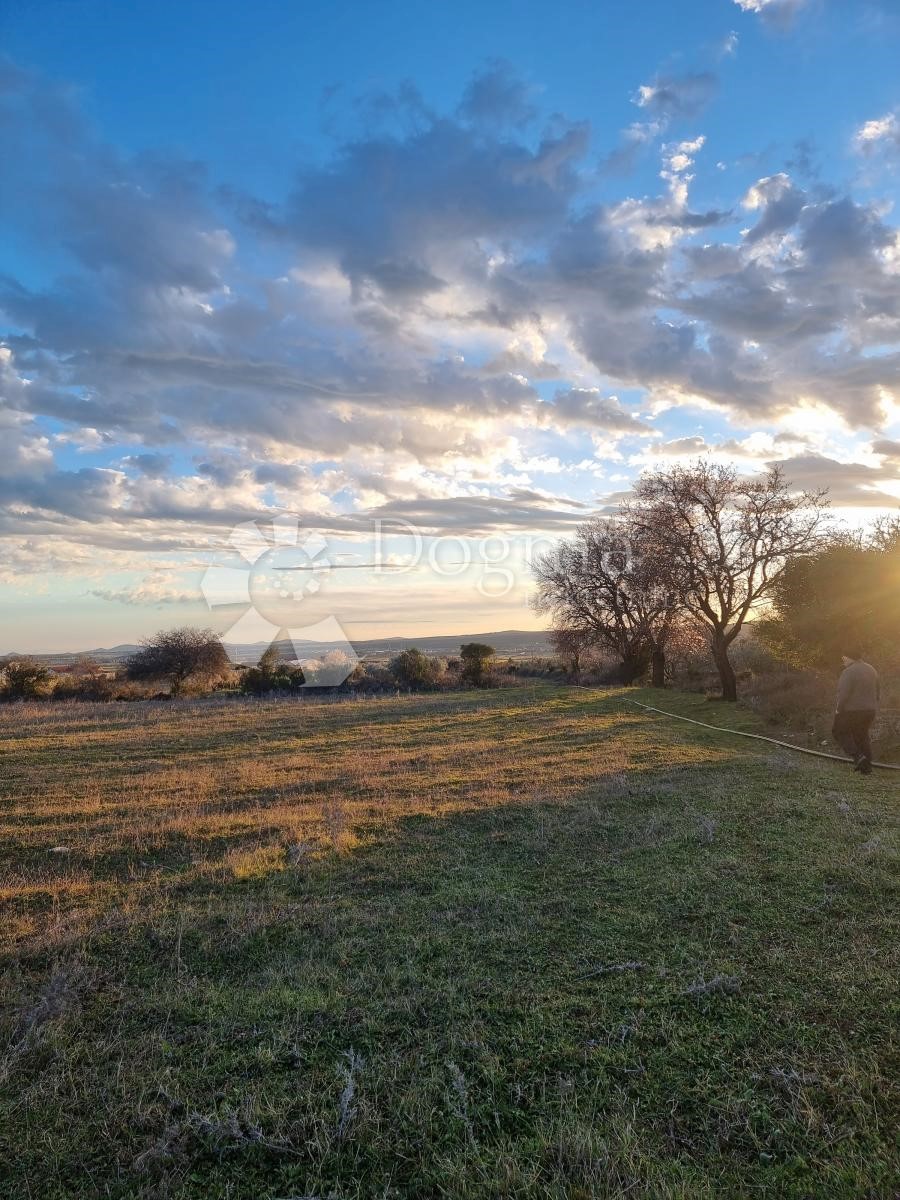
(858, 696)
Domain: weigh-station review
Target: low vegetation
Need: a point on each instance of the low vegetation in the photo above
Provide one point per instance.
(193, 662)
(527, 942)
(415, 669)
(476, 663)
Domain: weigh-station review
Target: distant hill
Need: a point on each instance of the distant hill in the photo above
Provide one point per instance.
(507, 642)
(105, 656)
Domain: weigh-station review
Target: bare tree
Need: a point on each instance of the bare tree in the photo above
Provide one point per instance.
(724, 541)
(179, 655)
(607, 584)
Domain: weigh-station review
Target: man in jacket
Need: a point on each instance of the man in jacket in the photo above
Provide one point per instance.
(857, 703)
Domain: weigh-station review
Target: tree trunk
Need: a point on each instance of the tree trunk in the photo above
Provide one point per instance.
(658, 663)
(725, 669)
(632, 667)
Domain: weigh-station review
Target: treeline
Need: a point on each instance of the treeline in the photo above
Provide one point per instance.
(700, 550)
(410, 669)
(193, 662)
(694, 555)
(174, 662)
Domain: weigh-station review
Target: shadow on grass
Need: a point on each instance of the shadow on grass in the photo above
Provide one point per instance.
(672, 979)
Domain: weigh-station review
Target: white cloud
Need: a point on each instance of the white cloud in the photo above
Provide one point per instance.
(764, 191)
(877, 135)
(151, 591)
(347, 368)
(677, 161)
(776, 12)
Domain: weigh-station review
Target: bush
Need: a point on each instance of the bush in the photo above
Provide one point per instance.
(791, 699)
(750, 654)
(91, 685)
(476, 663)
(272, 674)
(128, 690)
(25, 679)
(369, 678)
(329, 672)
(412, 668)
(572, 647)
(537, 668)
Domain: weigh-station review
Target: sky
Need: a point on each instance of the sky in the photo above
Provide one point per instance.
(395, 295)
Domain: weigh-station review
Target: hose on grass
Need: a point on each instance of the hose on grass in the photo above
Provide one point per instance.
(758, 737)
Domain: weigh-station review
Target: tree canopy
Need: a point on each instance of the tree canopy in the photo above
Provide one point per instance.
(609, 582)
(844, 595)
(476, 662)
(178, 655)
(724, 541)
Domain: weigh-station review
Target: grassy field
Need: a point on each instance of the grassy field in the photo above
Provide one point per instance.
(523, 943)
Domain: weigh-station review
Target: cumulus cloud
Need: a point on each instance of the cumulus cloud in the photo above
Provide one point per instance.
(666, 100)
(849, 484)
(152, 464)
(498, 96)
(376, 341)
(392, 210)
(586, 407)
(779, 204)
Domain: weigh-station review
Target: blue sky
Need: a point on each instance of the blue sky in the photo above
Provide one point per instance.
(419, 272)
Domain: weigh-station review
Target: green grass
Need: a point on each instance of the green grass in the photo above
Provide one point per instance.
(525, 943)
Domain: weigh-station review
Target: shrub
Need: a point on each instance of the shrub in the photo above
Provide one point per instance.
(90, 685)
(25, 679)
(367, 677)
(476, 663)
(539, 667)
(330, 671)
(272, 674)
(413, 668)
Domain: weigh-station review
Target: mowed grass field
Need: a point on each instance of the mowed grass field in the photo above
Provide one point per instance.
(521, 943)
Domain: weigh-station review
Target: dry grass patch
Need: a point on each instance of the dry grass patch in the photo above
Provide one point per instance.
(526, 943)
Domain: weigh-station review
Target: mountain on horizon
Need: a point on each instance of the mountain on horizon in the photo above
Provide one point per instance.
(505, 641)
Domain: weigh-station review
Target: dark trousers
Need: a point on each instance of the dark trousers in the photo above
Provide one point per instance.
(851, 731)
